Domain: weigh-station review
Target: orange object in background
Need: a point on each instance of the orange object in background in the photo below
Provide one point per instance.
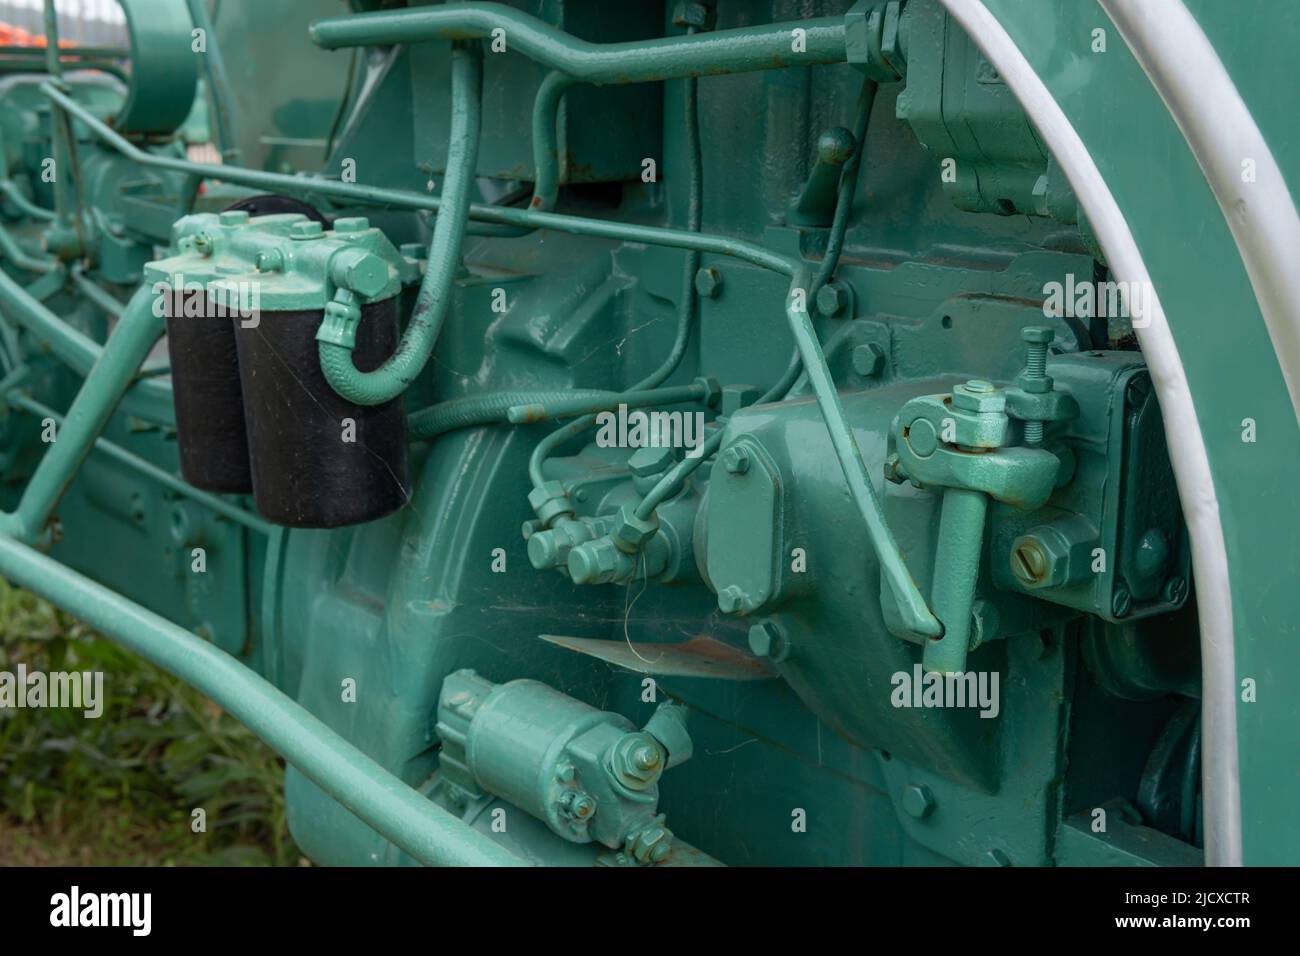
(17, 36)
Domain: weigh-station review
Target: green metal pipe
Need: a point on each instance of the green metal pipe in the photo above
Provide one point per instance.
(434, 298)
(11, 249)
(771, 46)
(847, 190)
(910, 602)
(218, 80)
(144, 467)
(956, 567)
(491, 408)
(150, 400)
(94, 292)
(304, 188)
(66, 203)
(95, 403)
(686, 298)
(567, 404)
(25, 205)
(909, 598)
(546, 153)
(395, 810)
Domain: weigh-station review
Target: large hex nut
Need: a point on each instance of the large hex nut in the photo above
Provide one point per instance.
(630, 531)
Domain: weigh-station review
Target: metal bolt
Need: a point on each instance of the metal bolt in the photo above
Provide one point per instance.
(1036, 339)
(645, 758)
(708, 282)
(307, 229)
(869, 360)
(732, 600)
(649, 460)
(1121, 601)
(1029, 562)
(767, 640)
(580, 805)
(832, 299)
(918, 801)
(736, 460)
(270, 260)
(351, 224)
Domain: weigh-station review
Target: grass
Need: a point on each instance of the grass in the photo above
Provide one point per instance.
(120, 790)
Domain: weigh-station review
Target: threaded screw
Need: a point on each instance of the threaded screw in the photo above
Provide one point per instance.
(1036, 339)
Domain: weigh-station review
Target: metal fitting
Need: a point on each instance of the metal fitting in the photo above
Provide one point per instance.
(631, 532)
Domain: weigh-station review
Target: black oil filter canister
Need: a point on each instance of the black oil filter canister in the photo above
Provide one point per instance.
(318, 460)
(206, 393)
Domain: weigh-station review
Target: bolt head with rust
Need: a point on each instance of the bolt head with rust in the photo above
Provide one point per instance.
(708, 282)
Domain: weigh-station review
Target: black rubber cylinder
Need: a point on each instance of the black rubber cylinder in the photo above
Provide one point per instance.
(206, 394)
(320, 461)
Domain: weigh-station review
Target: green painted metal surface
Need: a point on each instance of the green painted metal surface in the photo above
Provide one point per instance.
(891, 471)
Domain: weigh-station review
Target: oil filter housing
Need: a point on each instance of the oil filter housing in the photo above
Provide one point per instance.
(244, 297)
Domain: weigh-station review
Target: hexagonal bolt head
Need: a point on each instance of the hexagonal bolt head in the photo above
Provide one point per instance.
(832, 299)
(351, 224)
(649, 460)
(869, 360)
(736, 459)
(1037, 335)
(918, 802)
(690, 14)
(978, 395)
(595, 562)
(577, 805)
(733, 600)
(767, 640)
(631, 532)
(307, 229)
(708, 282)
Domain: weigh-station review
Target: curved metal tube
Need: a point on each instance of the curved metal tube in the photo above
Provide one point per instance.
(636, 61)
(395, 810)
(431, 304)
